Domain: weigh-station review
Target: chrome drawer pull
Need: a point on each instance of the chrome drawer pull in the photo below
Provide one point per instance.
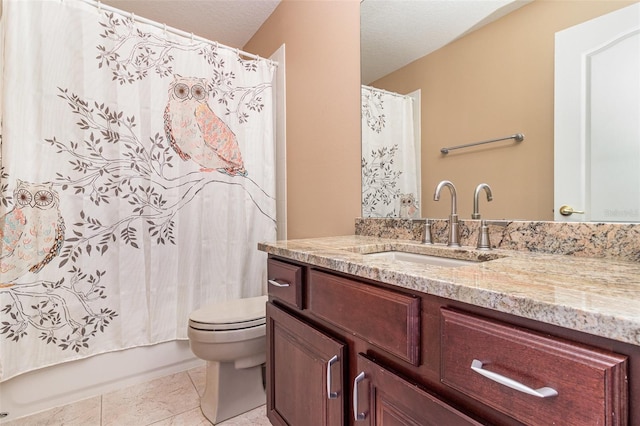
(540, 393)
(277, 284)
(331, 395)
(356, 415)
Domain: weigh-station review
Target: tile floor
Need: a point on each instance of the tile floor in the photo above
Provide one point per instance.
(168, 401)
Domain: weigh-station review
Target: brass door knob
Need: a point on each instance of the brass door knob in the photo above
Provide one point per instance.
(568, 211)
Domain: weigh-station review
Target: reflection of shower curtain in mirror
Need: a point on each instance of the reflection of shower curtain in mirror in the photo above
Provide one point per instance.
(390, 156)
(136, 179)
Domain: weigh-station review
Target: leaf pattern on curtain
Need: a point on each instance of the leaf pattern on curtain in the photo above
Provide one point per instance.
(380, 181)
(131, 54)
(389, 186)
(373, 110)
(6, 199)
(114, 164)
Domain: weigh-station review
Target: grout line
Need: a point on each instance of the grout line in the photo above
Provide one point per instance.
(192, 382)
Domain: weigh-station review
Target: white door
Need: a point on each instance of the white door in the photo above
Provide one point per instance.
(597, 119)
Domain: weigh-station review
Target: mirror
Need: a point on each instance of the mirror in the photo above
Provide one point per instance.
(495, 80)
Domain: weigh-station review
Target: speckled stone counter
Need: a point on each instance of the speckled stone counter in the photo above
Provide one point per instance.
(584, 239)
(600, 296)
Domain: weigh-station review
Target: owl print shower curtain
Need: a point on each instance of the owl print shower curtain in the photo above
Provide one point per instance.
(137, 177)
(390, 155)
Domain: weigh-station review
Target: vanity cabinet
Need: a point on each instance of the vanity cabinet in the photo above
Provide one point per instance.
(351, 351)
(305, 373)
(382, 398)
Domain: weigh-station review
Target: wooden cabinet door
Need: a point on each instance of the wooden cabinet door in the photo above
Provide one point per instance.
(382, 398)
(305, 373)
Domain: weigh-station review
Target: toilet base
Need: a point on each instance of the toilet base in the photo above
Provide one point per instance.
(230, 391)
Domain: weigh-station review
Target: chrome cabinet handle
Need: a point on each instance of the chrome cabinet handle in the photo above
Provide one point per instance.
(356, 415)
(277, 284)
(544, 392)
(330, 394)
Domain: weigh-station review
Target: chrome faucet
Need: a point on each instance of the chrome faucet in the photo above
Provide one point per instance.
(483, 234)
(476, 201)
(484, 243)
(454, 233)
(427, 232)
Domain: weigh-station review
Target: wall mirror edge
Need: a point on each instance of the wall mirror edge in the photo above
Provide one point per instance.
(532, 187)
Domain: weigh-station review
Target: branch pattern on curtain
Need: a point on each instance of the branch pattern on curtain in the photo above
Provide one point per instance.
(137, 177)
(390, 178)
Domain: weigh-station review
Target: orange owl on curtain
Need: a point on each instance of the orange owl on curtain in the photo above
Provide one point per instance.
(195, 132)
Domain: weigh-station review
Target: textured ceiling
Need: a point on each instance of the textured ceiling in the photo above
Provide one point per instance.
(230, 22)
(393, 32)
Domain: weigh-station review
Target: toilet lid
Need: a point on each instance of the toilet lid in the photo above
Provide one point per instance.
(230, 315)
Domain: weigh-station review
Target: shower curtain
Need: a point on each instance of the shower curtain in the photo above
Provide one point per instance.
(137, 176)
(390, 156)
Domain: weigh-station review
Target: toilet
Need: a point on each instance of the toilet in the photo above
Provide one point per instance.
(230, 336)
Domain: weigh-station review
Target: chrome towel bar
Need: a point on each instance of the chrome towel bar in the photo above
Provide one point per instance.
(519, 137)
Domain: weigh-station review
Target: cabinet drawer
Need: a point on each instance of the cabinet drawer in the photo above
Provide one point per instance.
(590, 384)
(387, 319)
(285, 282)
(383, 398)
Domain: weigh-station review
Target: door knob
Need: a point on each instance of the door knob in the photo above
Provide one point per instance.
(568, 211)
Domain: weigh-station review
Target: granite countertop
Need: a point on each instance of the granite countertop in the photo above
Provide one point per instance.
(596, 296)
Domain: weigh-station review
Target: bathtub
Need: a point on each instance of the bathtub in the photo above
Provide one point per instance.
(72, 381)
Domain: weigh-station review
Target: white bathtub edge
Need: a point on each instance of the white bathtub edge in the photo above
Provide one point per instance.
(65, 383)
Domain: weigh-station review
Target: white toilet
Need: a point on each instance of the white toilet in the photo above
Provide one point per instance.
(230, 336)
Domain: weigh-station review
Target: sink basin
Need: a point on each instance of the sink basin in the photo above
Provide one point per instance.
(424, 259)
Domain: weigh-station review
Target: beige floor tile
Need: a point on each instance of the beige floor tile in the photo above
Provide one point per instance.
(255, 417)
(168, 401)
(150, 402)
(198, 376)
(81, 413)
(192, 417)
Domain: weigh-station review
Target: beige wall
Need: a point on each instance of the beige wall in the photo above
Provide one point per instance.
(494, 82)
(322, 42)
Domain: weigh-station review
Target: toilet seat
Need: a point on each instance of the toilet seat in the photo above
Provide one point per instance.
(238, 314)
(231, 337)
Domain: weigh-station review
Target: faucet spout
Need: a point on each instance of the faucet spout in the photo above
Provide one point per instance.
(454, 232)
(476, 199)
(452, 189)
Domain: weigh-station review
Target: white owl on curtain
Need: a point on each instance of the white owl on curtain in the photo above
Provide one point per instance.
(408, 206)
(195, 132)
(32, 233)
